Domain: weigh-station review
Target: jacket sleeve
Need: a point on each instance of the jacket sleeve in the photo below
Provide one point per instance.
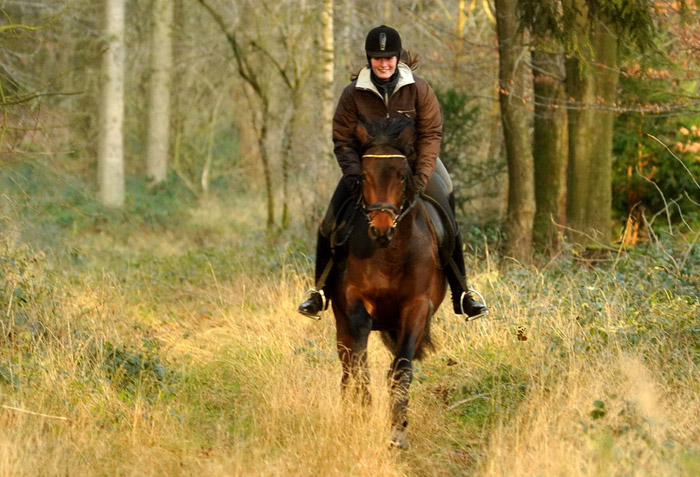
(345, 143)
(428, 127)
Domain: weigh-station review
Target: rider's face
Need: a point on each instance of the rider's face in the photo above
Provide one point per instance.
(384, 67)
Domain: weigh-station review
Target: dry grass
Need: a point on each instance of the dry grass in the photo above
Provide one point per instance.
(167, 358)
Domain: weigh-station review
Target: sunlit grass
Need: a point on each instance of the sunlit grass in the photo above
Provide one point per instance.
(176, 350)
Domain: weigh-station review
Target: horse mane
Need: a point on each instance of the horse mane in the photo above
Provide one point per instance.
(396, 133)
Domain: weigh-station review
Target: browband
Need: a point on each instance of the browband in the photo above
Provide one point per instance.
(386, 156)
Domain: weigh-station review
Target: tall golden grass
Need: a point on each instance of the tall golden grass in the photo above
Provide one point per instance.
(157, 356)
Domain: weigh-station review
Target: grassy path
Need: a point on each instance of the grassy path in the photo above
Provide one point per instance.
(166, 350)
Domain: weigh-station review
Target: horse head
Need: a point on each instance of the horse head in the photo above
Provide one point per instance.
(387, 190)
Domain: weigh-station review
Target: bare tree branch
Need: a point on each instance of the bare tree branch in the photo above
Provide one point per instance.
(29, 97)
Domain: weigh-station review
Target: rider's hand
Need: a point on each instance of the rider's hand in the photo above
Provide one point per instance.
(420, 180)
(354, 183)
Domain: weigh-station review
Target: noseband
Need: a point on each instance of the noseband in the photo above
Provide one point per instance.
(397, 213)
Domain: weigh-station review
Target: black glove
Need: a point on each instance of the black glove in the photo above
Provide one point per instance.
(354, 184)
(420, 180)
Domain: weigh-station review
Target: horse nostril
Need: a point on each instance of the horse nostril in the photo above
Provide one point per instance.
(373, 233)
(390, 234)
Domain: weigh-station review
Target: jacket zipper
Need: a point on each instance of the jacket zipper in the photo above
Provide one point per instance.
(384, 98)
(386, 103)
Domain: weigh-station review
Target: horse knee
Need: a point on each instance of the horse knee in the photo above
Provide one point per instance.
(360, 323)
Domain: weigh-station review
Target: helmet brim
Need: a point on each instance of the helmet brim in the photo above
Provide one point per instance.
(382, 54)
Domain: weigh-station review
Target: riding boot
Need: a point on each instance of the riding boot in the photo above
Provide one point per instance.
(462, 300)
(317, 300)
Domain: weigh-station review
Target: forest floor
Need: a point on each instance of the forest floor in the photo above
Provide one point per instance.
(163, 340)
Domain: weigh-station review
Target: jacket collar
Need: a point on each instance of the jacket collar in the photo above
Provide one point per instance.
(364, 81)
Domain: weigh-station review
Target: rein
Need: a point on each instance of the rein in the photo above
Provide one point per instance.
(398, 213)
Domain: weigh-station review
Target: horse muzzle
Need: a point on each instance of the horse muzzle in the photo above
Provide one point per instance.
(383, 218)
(382, 236)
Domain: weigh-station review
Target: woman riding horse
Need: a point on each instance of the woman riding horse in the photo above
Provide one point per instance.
(389, 278)
(387, 89)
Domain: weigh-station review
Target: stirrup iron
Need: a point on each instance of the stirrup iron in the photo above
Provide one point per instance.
(481, 298)
(324, 301)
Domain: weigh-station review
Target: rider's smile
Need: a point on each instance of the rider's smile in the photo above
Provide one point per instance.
(384, 68)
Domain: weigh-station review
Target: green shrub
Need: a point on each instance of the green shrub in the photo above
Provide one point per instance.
(459, 143)
(655, 165)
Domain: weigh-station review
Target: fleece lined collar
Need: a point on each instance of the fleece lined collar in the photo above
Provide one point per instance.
(364, 80)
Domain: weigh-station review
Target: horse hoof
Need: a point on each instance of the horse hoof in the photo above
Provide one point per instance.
(398, 440)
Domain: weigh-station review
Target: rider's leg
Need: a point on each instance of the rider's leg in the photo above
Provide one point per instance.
(463, 302)
(438, 188)
(317, 300)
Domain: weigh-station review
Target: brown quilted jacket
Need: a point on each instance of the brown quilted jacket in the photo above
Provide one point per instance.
(412, 97)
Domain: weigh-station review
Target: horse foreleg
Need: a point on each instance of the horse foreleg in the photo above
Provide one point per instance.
(401, 373)
(401, 377)
(352, 349)
(345, 344)
(354, 382)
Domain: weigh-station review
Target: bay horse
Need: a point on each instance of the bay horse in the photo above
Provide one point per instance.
(391, 280)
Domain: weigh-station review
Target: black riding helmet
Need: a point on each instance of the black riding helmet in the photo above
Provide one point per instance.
(383, 42)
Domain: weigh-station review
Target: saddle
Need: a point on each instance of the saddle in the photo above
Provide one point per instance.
(444, 226)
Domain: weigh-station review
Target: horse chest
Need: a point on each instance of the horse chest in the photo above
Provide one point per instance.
(376, 276)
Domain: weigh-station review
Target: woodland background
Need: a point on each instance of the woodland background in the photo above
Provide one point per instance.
(160, 187)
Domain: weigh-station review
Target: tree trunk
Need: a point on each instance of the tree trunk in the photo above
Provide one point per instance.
(511, 74)
(579, 89)
(550, 148)
(110, 159)
(267, 172)
(328, 62)
(386, 15)
(206, 169)
(159, 104)
(348, 11)
(591, 84)
(606, 79)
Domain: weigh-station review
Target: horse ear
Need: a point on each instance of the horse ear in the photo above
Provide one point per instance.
(363, 134)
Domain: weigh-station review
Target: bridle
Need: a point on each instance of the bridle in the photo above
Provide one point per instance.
(397, 213)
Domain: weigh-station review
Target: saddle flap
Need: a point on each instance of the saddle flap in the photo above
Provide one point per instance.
(442, 226)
